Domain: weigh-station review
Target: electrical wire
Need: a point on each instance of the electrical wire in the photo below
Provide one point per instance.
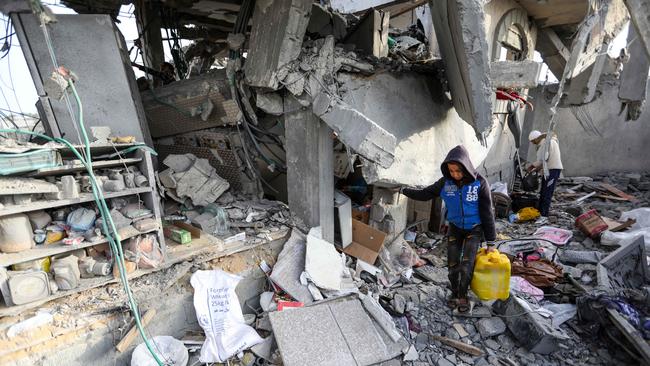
(50, 49)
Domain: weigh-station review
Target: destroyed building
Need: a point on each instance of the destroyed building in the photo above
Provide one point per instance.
(231, 195)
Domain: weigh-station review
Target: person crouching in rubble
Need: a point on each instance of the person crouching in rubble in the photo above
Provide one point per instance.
(469, 211)
(554, 163)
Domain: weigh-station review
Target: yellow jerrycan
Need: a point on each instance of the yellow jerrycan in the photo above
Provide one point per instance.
(491, 278)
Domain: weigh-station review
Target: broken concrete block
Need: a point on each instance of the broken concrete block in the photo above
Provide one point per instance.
(167, 178)
(579, 257)
(290, 264)
(356, 130)
(633, 83)
(533, 331)
(381, 317)
(460, 32)
(295, 83)
(323, 264)
(399, 303)
(639, 10)
(490, 327)
(515, 74)
(626, 267)
(371, 34)
(320, 18)
(179, 163)
(270, 103)
(276, 39)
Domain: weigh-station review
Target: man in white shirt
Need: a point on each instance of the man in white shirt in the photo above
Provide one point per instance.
(553, 161)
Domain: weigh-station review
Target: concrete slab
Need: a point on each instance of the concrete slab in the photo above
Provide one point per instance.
(625, 267)
(356, 130)
(334, 333)
(533, 331)
(360, 335)
(71, 34)
(381, 317)
(640, 14)
(290, 264)
(460, 31)
(515, 74)
(310, 336)
(323, 264)
(275, 40)
(633, 83)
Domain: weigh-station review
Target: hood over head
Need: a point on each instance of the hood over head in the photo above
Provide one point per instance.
(459, 155)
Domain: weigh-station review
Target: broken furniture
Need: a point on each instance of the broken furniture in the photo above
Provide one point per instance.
(146, 193)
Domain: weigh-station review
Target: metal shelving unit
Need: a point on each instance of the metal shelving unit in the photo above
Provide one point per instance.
(147, 194)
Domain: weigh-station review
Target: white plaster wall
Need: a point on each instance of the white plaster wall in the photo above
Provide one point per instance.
(352, 6)
(426, 126)
(618, 145)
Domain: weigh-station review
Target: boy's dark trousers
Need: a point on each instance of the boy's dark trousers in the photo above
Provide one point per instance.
(546, 191)
(461, 254)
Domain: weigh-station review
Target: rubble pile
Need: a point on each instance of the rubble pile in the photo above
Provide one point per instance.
(556, 275)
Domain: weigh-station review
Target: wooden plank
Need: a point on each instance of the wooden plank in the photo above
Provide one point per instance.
(474, 351)
(618, 192)
(133, 332)
(42, 251)
(73, 168)
(195, 231)
(608, 197)
(631, 334)
(83, 197)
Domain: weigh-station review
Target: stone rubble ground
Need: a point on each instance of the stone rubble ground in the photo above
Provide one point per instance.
(431, 316)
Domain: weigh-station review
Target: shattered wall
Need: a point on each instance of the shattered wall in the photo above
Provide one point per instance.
(426, 127)
(595, 137)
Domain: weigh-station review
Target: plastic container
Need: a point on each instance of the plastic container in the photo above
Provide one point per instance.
(491, 278)
(169, 349)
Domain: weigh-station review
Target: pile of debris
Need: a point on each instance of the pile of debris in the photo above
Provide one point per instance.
(546, 320)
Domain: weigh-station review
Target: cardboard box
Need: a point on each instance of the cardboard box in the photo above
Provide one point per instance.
(366, 242)
(362, 216)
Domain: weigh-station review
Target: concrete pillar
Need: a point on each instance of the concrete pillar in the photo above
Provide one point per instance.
(310, 167)
(148, 21)
(276, 39)
(326, 180)
(640, 14)
(388, 212)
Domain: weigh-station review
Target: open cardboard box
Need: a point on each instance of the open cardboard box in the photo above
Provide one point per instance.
(366, 242)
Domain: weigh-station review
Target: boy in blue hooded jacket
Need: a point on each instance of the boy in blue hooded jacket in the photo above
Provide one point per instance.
(469, 211)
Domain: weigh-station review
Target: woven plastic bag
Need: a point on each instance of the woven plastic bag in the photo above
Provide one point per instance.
(219, 314)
